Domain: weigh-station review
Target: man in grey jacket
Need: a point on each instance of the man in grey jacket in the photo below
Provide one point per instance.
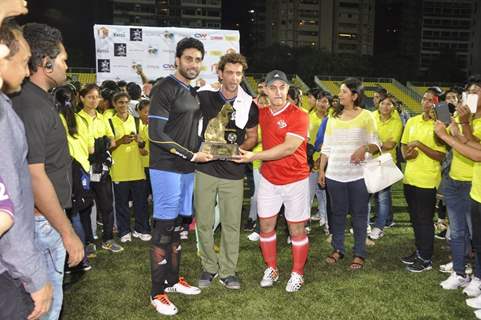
(25, 291)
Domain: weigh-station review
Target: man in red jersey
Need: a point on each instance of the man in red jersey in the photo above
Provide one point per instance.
(284, 179)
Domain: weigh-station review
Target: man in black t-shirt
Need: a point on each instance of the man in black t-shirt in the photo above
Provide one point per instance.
(48, 158)
(173, 132)
(223, 181)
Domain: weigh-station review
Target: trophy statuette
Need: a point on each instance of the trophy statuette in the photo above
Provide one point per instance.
(215, 142)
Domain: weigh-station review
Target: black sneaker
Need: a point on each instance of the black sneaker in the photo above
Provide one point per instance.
(230, 282)
(390, 224)
(409, 260)
(206, 279)
(420, 265)
(441, 235)
(249, 225)
(81, 267)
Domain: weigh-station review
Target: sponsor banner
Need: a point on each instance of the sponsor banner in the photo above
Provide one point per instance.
(120, 48)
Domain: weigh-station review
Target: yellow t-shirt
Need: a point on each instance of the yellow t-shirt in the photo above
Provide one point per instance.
(462, 167)
(476, 184)
(109, 113)
(390, 130)
(144, 135)
(422, 171)
(79, 145)
(395, 114)
(314, 124)
(98, 126)
(476, 181)
(127, 164)
(256, 164)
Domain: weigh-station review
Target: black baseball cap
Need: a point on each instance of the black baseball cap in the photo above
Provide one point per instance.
(276, 75)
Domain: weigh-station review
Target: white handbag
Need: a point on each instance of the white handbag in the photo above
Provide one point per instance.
(381, 172)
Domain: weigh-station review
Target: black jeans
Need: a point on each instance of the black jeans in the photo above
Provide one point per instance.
(421, 206)
(15, 302)
(138, 190)
(103, 199)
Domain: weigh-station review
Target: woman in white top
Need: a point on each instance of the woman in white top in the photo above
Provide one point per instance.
(350, 133)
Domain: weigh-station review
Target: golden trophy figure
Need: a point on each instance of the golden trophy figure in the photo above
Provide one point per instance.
(215, 142)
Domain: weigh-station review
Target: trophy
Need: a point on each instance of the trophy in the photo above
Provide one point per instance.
(215, 142)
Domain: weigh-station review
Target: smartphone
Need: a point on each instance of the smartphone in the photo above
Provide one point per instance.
(470, 100)
(442, 113)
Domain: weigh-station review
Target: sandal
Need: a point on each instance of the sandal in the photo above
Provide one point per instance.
(334, 257)
(357, 263)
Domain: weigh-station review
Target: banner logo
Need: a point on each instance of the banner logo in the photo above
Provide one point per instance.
(120, 50)
(216, 37)
(103, 32)
(201, 36)
(135, 34)
(152, 51)
(103, 65)
(232, 38)
(216, 53)
(168, 66)
(119, 35)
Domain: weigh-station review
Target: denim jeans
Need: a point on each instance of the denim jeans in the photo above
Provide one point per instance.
(383, 207)
(349, 197)
(50, 243)
(458, 204)
(319, 193)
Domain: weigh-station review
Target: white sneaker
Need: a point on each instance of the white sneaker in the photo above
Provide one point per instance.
(468, 269)
(141, 236)
(126, 238)
(376, 233)
(477, 313)
(446, 268)
(163, 305)
(454, 282)
(351, 230)
(271, 275)
(474, 302)
(183, 287)
(289, 240)
(322, 221)
(474, 288)
(326, 229)
(184, 235)
(315, 217)
(308, 229)
(295, 282)
(254, 236)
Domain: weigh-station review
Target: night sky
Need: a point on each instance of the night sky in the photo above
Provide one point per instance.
(75, 19)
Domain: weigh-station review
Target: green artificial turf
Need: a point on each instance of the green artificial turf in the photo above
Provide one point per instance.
(118, 285)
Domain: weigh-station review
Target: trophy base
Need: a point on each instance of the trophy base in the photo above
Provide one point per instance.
(220, 151)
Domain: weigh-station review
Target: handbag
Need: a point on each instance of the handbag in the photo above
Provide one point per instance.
(381, 172)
